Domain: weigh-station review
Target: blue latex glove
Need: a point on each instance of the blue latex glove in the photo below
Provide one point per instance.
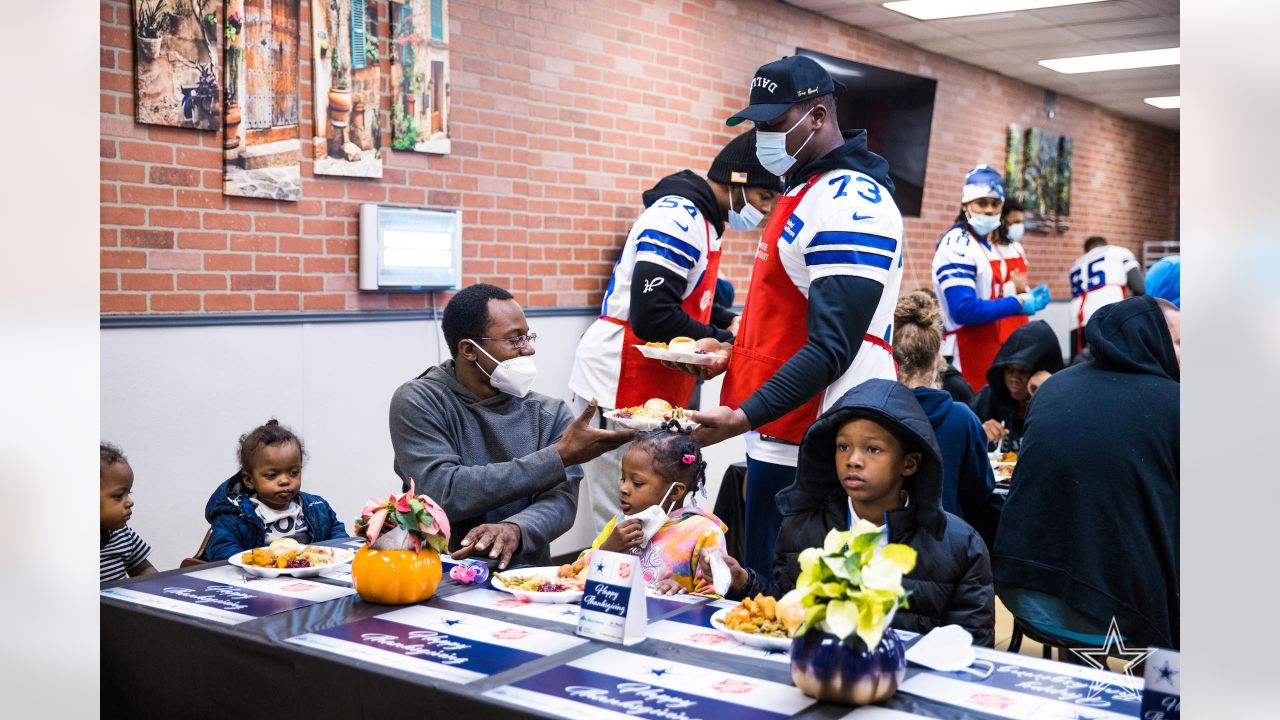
(1041, 298)
(1028, 301)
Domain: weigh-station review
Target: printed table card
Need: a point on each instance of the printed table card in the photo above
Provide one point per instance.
(617, 684)
(223, 594)
(439, 643)
(613, 607)
(566, 613)
(693, 628)
(1021, 687)
(1162, 693)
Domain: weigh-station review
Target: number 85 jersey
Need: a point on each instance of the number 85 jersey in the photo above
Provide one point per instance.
(1099, 278)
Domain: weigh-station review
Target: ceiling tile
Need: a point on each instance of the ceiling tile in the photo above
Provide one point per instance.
(914, 32)
(1127, 28)
(871, 16)
(1092, 12)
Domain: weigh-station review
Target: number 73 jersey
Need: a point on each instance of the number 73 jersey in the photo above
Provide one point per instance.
(1099, 278)
(846, 224)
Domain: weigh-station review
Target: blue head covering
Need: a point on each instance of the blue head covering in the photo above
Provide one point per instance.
(982, 181)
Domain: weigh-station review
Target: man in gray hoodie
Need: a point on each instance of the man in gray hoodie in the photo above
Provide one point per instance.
(502, 461)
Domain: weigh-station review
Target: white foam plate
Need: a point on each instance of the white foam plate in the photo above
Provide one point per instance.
(766, 642)
(687, 358)
(550, 573)
(643, 424)
(341, 556)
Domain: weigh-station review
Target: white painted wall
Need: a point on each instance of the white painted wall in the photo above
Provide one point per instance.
(177, 399)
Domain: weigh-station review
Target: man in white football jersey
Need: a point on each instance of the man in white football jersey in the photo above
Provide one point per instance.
(1104, 274)
(663, 287)
(819, 312)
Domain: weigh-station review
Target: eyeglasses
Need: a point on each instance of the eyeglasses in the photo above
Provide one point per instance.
(515, 342)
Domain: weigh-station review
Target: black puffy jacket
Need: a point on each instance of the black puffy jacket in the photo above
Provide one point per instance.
(951, 583)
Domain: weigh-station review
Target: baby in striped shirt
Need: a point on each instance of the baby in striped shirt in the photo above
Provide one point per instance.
(121, 552)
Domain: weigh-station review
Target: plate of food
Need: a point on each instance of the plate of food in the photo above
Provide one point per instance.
(681, 350)
(539, 584)
(650, 416)
(1002, 465)
(754, 622)
(287, 556)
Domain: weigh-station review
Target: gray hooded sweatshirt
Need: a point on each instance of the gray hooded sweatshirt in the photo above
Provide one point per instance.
(486, 461)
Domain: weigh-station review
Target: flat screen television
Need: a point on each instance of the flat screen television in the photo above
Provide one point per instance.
(896, 110)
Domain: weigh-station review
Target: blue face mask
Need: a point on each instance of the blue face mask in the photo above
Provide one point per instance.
(771, 148)
(983, 224)
(748, 218)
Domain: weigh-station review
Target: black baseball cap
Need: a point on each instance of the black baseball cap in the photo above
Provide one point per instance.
(781, 84)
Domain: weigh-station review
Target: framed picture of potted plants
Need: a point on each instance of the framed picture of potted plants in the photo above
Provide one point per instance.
(346, 81)
(420, 75)
(176, 63)
(262, 151)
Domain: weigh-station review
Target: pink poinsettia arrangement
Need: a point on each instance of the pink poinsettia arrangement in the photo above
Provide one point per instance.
(404, 522)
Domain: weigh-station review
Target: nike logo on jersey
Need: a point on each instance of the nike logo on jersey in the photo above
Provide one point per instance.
(682, 227)
(856, 216)
(649, 285)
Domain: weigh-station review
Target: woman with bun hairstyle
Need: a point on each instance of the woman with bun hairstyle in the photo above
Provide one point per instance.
(979, 274)
(968, 484)
(662, 288)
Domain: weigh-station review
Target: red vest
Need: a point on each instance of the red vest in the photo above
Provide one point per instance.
(639, 378)
(774, 326)
(977, 345)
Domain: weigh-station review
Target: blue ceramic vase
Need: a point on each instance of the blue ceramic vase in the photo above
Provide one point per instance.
(845, 671)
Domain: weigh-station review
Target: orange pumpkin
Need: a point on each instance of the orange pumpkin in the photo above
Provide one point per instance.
(396, 577)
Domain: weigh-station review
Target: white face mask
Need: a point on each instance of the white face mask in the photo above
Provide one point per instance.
(771, 148)
(748, 219)
(1015, 232)
(983, 224)
(514, 376)
(651, 518)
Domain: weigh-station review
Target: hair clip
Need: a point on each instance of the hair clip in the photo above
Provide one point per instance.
(688, 459)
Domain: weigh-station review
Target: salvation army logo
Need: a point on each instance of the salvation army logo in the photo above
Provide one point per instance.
(511, 634)
(733, 687)
(705, 301)
(707, 638)
(512, 602)
(991, 700)
(624, 570)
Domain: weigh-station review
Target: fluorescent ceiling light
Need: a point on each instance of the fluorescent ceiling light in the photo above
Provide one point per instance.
(1115, 61)
(939, 9)
(1170, 102)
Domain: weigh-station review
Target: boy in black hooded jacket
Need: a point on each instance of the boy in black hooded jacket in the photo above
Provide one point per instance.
(951, 583)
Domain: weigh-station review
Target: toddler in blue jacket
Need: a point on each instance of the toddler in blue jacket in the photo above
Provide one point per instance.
(264, 501)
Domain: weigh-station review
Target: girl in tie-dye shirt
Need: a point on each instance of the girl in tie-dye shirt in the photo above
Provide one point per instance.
(660, 471)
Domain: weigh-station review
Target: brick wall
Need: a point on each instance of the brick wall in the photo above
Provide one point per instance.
(563, 111)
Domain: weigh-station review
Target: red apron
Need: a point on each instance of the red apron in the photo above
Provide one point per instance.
(977, 345)
(639, 378)
(773, 327)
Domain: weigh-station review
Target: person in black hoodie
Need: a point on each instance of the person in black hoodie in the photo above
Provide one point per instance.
(663, 287)
(880, 424)
(1031, 354)
(1090, 528)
